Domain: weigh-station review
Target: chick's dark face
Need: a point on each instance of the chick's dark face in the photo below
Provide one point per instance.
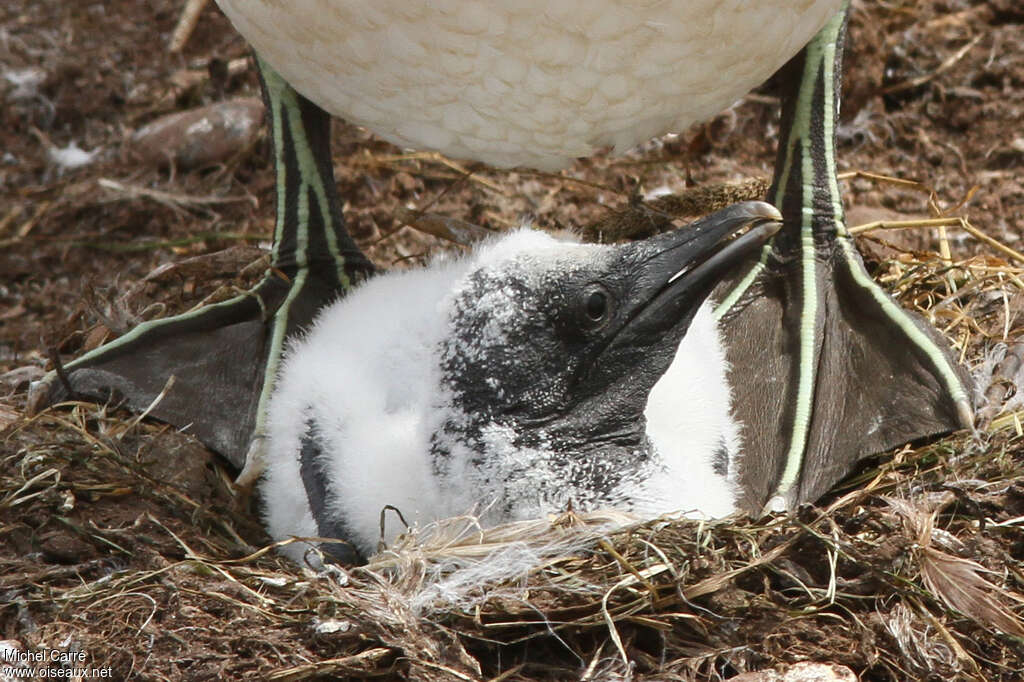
(526, 335)
(573, 337)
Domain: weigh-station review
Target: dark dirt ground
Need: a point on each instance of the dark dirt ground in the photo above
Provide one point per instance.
(124, 540)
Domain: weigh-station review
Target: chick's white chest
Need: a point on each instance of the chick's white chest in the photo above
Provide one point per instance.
(526, 82)
(692, 428)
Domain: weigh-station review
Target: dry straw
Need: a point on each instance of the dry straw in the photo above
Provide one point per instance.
(123, 539)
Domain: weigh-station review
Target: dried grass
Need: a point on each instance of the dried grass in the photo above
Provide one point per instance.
(124, 540)
(913, 566)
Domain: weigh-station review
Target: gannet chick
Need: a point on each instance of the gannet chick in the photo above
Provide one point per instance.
(532, 375)
(521, 83)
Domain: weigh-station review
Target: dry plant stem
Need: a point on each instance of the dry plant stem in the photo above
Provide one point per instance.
(451, 229)
(946, 65)
(903, 224)
(962, 223)
(1014, 420)
(186, 24)
(435, 157)
(329, 666)
(125, 192)
(22, 232)
(156, 401)
(886, 179)
(645, 218)
(941, 221)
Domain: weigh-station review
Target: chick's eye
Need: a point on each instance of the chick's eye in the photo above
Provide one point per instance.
(596, 306)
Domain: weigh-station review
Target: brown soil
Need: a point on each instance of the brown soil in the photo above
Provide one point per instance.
(121, 539)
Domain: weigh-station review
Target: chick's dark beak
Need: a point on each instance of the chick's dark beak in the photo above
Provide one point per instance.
(680, 268)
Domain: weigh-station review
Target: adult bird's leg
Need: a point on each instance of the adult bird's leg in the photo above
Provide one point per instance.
(826, 367)
(224, 357)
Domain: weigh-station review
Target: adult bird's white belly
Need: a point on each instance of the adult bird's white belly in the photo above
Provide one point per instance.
(534, 83)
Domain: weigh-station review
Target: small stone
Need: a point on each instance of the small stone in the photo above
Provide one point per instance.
(20, 377)
(330, 627)
(804, 671)
(199, 137)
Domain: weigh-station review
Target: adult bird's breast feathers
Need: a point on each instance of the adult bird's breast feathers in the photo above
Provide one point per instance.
(517, 83)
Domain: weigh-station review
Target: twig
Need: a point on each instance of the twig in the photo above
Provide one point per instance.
(994, 243)
(961, 222)
(903, 224)
(445, 227)
(330, 665)
(168, 198)
(196, 238)
(444, 161)
(62, 375)
(145, 413)
(945, 66)
(186, 24)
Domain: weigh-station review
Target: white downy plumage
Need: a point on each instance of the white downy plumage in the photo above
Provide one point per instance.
(369, 375)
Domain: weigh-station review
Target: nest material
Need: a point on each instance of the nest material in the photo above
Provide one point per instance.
(123, 540)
